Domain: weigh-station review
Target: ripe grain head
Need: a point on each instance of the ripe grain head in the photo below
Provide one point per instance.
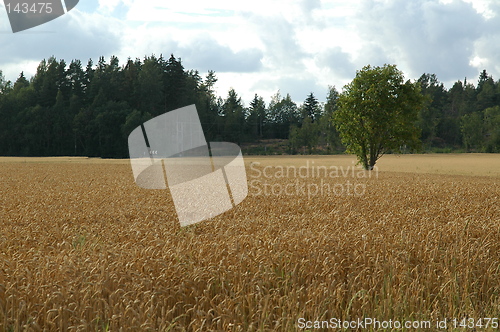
(83, 248)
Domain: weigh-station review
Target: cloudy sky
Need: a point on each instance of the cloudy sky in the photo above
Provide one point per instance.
(260, 46)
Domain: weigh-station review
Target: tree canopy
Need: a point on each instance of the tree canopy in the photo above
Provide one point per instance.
(88, 109)
(377, 113)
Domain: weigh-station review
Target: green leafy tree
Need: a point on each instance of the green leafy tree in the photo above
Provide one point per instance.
(306, 136)
(377, 113)
(472, 131)
(470, 97)
(283, 113)
(457, 99)
(2, 82)
(294, 140)
(132, 121)
(111, 143)
(492, 129)
(328, 132)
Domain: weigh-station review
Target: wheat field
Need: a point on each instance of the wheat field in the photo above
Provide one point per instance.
(82, 248)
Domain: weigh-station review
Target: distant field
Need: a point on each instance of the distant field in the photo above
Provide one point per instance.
(83, 248)
(457, 164)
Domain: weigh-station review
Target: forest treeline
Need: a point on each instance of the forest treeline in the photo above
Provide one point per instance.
(72, 110)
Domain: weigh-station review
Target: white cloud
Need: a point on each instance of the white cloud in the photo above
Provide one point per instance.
(484, 7)
(108, 5)
(76, 35)
(423, 36)
(487, 53)
(297, 46)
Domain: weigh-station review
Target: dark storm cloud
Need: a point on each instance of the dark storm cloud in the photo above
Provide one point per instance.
(423, 35)
(205, 53)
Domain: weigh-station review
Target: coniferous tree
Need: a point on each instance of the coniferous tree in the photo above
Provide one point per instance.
(283, 113)
(234, 117)
(431, 115)
(256, 117)
(174, 83)
(130, 88)
(207, 105)
(311, 108)
(76, 78)
(69, 110)
(486, 92)
(150, 87)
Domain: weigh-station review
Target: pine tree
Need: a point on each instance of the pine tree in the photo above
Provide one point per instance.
(311, 108)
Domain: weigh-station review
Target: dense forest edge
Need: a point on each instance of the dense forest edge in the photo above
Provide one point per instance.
(69, 110)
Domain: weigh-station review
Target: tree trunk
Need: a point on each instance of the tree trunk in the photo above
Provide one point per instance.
(373, 160)
(364, 158)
